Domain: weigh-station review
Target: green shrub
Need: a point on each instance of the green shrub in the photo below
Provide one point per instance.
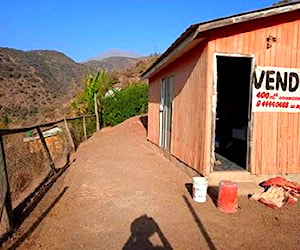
(128, 102)
(97, 85)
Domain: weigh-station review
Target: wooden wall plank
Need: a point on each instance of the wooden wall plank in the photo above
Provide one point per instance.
(259, 48)
(269, 135)
(255, 148)
(153, 111)
(273, 116)
(208, 67)
(266, 133)
(291, 142)
(284, 122)
(280, 135)
(295, 46)
(296, 54)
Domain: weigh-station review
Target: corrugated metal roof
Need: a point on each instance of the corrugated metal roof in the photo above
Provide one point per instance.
(189, 38)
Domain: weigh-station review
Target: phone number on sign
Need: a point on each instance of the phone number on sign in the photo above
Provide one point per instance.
(272, 104)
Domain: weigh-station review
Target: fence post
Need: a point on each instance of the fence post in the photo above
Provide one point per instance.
(69, 134)
(84, 128)
(96, 113)
(6, 211)
(46, 149)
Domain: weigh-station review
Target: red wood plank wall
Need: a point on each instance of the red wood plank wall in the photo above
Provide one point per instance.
(189, 105)
(276, 136)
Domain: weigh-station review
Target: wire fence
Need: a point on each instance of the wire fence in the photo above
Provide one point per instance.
(27, 153)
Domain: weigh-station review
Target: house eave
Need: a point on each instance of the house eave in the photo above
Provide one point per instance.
(249, 16)
(176, 53)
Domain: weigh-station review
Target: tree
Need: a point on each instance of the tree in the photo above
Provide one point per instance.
(97, 85)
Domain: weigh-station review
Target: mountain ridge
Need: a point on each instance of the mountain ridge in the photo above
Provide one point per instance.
(113, 53)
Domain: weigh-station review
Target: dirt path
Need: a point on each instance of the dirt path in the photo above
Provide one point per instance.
(121, 192)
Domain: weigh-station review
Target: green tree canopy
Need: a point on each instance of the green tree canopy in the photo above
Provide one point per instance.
(98, 85)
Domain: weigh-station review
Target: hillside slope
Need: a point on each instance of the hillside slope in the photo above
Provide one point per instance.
(36, 82)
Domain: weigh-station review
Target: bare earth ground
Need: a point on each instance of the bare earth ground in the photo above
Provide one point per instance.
(121, 192)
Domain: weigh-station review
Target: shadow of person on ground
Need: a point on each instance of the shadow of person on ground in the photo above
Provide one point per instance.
(142, 229)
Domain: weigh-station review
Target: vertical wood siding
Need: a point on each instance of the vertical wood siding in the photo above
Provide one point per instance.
(188, 139)
(276, 136)
(153, 110)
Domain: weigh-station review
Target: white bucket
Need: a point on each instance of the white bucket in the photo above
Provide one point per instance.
(200, 189)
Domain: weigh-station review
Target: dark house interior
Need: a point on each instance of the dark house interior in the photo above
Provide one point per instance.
(233, 91)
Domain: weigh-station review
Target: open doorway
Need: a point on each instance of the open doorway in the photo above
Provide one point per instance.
(233, 81)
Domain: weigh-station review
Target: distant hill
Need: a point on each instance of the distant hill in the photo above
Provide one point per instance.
(125, 69)
(112, 64)
(132, 74)
(36, 83)
(114, 53)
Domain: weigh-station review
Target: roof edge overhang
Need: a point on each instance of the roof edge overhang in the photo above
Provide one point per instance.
(191, 37)
(184, 43)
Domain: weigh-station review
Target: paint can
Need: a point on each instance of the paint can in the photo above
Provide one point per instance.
(200, 188)
(228, 197)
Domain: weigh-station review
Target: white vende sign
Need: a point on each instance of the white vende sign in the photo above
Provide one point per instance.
(276, 90)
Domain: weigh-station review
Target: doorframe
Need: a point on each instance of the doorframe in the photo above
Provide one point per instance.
(161, 110)
(214, 108)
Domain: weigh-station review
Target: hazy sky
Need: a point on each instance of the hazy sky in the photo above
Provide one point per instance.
(86, 28)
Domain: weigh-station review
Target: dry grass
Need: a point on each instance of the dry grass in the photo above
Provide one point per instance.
(22, 165)
(28, 162)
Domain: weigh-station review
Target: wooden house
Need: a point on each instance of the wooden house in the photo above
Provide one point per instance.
(225, 96)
